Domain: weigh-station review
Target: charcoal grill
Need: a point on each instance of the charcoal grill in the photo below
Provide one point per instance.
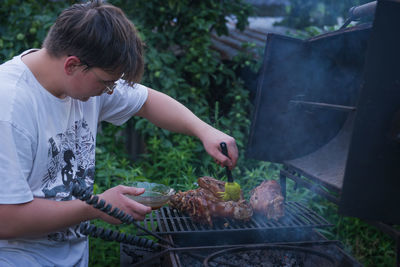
(327, 110)
(296, 228)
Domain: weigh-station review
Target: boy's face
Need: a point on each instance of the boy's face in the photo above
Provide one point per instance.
(84, 82)
(92, 82)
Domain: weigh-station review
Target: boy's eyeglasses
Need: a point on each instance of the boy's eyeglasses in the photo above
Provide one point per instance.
(109, 85)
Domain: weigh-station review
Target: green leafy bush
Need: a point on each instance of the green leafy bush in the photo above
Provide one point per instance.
(24, 24)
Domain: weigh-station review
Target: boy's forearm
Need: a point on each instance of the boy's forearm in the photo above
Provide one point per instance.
(41, 216)
(169, 114)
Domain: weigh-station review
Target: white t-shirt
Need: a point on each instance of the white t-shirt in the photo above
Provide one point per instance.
(46, 143)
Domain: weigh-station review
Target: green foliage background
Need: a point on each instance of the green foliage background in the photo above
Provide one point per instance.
(304, 13)
(180, 63)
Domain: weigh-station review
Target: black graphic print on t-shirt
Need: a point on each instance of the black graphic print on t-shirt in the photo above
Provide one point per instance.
(71, 159)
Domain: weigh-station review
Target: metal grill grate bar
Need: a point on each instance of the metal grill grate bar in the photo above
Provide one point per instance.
(170, 221)
(165, 221)
(312, 216)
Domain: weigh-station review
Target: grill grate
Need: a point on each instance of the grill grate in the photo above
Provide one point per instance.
(170, 221)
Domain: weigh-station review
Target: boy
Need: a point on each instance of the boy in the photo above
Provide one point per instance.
(87, 71)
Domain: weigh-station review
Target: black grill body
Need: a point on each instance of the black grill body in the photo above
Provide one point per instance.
(328, 108)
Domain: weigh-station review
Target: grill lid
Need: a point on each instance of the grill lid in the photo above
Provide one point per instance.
(305, 91)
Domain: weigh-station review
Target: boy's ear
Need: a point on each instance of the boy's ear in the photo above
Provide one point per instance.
(71, 63)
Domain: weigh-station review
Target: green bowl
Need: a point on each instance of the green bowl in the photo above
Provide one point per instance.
(154, 196)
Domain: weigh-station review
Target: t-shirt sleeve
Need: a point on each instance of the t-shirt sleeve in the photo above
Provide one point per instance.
(16, 162)
(123, 103)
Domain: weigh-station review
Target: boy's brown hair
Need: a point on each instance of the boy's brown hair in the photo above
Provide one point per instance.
(101, 36)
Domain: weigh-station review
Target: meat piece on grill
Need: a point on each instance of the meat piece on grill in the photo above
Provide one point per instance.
(203, 204)
(214, 186)
(267, 199)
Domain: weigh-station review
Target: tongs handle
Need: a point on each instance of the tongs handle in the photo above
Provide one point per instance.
(224, 150)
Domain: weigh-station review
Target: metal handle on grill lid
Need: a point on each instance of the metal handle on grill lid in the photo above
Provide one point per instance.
(358, 12)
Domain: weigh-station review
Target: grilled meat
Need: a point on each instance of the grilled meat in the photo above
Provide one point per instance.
(267, 199)
(203, 204)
